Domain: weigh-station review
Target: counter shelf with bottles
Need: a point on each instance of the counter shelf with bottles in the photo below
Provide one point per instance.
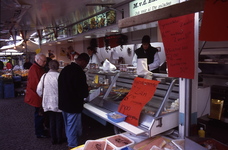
(156, 116)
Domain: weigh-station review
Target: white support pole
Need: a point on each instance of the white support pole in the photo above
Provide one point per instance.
(194, 97)
(188, 92)
(182, 85)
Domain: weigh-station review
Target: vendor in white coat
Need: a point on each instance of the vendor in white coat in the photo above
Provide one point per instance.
(149, 52)
(93, 56)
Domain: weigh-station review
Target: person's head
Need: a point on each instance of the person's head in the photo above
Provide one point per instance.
(145, 42)
(54, 65)
(49, 51)
(41, 59)
(83, 60)
(70, 49)
(91, 51)
(27, 60)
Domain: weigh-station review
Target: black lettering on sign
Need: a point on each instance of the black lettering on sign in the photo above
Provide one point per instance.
(144, 2)
(130, 96)
(132, 117)
(135, 5)
(142, 93)
(183, 69)
(124, 108)
(169, 57)
(136, 103)
(151, 84)
(220, 0)
(126, 98)
(186, 23)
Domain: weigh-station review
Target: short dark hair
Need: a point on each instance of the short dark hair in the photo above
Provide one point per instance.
(54, 64)
(146, 39)
(70, 47)
(92, 49)
(83, 56)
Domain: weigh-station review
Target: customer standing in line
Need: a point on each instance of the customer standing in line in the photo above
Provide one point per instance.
(73, 89)
(31, 97)
(48, 87)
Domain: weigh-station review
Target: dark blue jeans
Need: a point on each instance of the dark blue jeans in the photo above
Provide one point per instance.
(39, 128)
(56, 125)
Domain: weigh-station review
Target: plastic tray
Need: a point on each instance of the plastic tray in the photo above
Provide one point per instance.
(119, 148)
(112, 115)
(90, 143)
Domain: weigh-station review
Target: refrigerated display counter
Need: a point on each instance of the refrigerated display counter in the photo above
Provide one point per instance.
(158, 115)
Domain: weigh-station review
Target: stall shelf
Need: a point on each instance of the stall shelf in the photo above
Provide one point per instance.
(156, 116)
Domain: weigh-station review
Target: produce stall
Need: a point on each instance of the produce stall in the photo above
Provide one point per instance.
(158, 115)
(13, 82)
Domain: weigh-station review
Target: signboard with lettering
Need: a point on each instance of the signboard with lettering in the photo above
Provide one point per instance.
(138, 7)
(141, 92)
(178, 39)
(214, 23)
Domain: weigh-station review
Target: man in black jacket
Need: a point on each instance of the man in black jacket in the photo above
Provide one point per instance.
(73, 88)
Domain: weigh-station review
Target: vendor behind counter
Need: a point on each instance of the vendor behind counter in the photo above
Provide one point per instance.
(149, 52)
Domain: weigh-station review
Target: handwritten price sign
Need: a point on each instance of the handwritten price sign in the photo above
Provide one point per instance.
(141, 92)
(215, 23)
(178, 38)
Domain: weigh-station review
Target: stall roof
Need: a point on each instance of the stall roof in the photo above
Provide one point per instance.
(10, 52)
(30, 15)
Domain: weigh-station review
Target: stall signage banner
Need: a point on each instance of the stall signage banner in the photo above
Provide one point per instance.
(141, 92)
(138, 7)
(214, 25)
(178, 39)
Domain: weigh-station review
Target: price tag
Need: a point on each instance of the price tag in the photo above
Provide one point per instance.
(96, 79)
(141, 92)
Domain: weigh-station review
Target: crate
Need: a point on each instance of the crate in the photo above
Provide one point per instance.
(8, 90)
(1, 89)
(116, 116)
(16, 78)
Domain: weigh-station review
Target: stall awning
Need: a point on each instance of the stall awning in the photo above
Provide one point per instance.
(10, 52)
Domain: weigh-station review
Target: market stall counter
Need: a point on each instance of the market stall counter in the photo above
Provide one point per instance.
(158, 115)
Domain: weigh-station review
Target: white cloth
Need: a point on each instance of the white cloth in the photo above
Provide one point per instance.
(50, 95)
(142, 68)
(94, 59)
(152, 66)
(114, 56)
(107, 66)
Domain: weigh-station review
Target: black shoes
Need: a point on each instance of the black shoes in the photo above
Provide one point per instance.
(58, 141)
(42, 136)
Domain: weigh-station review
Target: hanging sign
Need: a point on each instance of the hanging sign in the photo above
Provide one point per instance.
(178, 39)
(138, 7)
(38, 51)
(141, 92)
(214, 25)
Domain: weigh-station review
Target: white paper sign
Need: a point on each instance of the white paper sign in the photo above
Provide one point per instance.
(94, 94)
(138, 7)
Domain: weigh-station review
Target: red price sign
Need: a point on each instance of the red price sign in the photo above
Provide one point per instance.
(178, 38)
(141, 92)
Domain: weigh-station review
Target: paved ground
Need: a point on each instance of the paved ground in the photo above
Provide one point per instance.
(17, 128)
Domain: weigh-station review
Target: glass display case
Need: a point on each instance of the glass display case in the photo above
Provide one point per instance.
(158, 115)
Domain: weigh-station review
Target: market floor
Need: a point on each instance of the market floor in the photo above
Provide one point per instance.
(17, 128)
